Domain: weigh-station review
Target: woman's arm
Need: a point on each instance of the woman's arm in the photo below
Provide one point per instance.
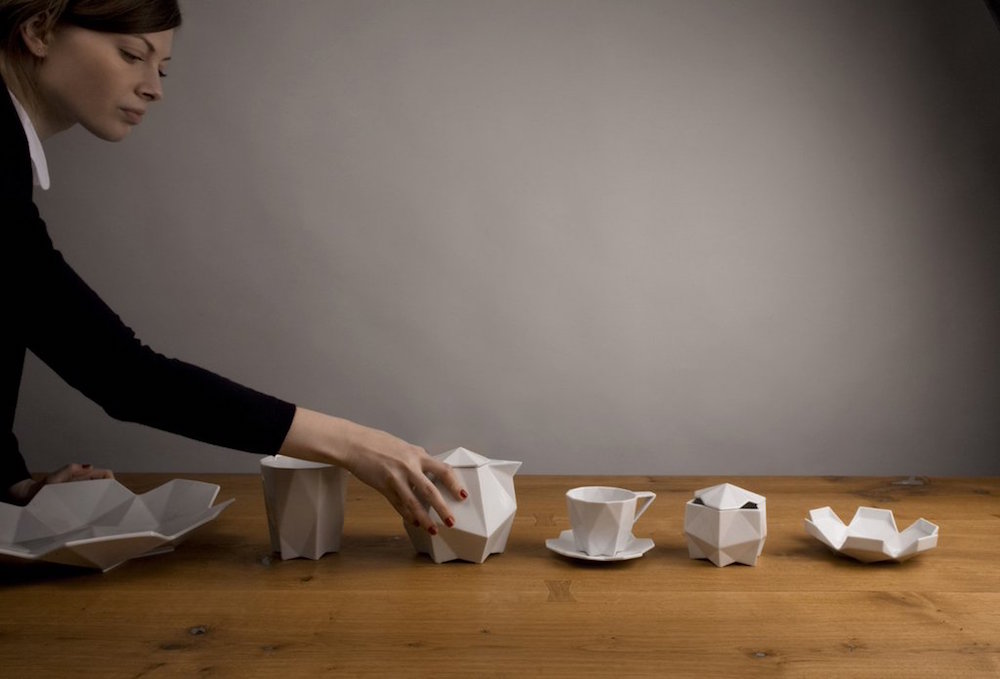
(71, 329)
(56, 315)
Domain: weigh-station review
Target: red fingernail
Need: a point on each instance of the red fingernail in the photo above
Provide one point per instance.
(463, 494)
(432, 530)
(450, 522)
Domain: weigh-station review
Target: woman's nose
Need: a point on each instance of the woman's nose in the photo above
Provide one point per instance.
(152, 88)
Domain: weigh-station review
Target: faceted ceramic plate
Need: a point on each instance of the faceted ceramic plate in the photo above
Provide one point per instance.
(101, 523)
(565, 545)
(872, 534)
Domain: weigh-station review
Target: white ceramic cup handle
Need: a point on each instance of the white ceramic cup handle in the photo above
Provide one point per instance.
(643, 498)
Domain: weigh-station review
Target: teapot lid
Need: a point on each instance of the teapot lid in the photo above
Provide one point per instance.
(728, 496)
(462, 457)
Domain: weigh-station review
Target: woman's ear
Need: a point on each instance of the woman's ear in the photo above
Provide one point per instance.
(36, 33)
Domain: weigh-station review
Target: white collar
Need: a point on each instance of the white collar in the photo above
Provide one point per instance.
(39, 168)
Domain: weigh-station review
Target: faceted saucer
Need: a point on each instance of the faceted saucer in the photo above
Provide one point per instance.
(565, 545)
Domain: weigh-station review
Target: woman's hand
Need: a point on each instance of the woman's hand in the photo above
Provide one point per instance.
(22, 491)
(388, 464)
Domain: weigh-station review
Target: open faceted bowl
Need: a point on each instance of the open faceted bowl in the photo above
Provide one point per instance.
(101, 523)
(872, 534)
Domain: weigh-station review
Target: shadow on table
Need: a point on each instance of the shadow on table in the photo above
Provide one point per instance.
(14, 573)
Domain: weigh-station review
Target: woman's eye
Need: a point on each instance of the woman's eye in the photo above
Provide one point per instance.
(129, 57)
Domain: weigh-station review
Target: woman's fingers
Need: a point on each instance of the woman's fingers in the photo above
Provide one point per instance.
(404, 500)
(428, 495)
(87, 472)
(409, 489)
(443, 474)
(78, 472)
(413, 497)
(64, 474)
(447, 476)
(400, 507)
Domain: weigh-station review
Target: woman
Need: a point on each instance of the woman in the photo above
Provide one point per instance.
(100, 64)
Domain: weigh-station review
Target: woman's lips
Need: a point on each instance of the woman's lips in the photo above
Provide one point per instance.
(133, 116)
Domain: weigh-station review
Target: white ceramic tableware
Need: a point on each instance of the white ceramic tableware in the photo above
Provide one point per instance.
(602, 517)
(482, 521)
(872, 534)
(726, 524)
(101, 523)
(565, 545)
(305, 505)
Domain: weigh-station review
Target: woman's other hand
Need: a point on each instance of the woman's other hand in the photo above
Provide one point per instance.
(22, 491)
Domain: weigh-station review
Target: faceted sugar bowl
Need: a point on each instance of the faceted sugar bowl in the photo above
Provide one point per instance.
(726, 524)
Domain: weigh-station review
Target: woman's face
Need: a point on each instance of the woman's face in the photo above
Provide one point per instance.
(104, 81)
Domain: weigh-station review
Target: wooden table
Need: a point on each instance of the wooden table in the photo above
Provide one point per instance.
(223, 605)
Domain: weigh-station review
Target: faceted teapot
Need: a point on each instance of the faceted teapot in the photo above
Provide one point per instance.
(482, 521)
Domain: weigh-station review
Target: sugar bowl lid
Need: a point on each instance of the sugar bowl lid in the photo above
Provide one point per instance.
(727, 496)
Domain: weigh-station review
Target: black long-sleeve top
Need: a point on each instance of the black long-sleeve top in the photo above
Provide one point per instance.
(48, 309)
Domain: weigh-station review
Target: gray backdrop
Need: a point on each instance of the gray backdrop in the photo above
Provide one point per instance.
(599, 236)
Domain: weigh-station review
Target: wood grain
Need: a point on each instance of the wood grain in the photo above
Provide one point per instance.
(222, 605)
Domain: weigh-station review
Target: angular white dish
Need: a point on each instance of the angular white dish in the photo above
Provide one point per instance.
(101, 523)
(872, 534)
(565, 545)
